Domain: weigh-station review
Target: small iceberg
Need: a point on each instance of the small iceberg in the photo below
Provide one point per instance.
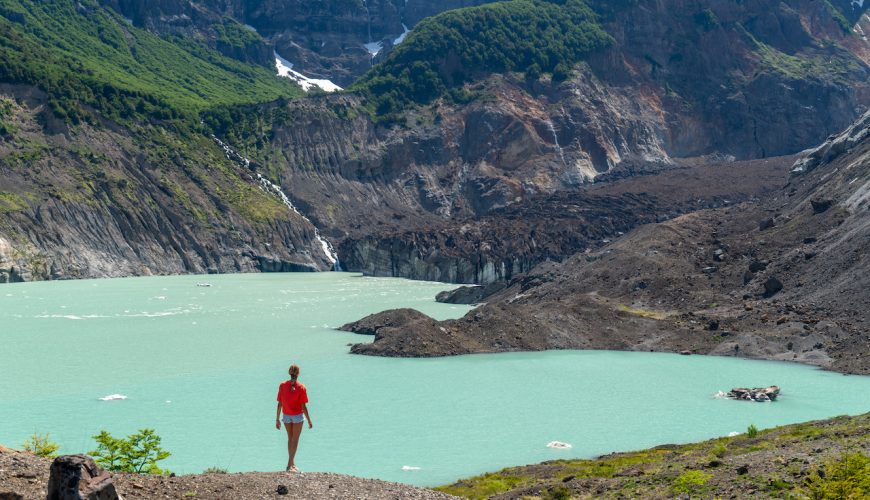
(558, 445)
(113, 397)
(203, 284)
(410, 467)
(733, 433)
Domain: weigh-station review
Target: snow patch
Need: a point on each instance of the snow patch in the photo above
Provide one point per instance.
(285, 69)
(401, 38)
(410, 467)
(374, 47)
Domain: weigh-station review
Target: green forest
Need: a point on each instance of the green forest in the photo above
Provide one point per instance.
(83, 55)
(445, 51)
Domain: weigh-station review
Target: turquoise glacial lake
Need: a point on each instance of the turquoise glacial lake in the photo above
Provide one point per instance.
(201, 365)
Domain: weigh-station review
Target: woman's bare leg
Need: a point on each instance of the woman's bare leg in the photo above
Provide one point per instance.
(290, 454)
(293, 433)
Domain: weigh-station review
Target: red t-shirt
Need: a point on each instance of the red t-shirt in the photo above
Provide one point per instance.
(292, 398)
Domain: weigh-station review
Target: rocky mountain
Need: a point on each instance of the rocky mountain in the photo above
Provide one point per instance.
(784, 278)
(473, 180)
(450, 195)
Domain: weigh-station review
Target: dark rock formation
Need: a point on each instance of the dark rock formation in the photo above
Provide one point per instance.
(470, 294)
(772, 286)
(77, 477)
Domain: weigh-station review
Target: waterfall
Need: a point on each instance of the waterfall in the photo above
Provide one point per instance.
(271, 187)
(372, 47)
(556, 141)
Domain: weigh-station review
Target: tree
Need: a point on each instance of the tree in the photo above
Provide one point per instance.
(137, 453)
(40, 445)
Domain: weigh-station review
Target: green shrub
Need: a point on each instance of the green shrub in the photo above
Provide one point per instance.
(845, 477)
(719, 450)
(215, 470)
(691, 482)
(137, 453)
(751, 431)
(41, 445)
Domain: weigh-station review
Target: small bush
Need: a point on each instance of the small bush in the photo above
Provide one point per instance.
(844, 477)
(751, 431)
(557, 493)
(137, 453)
(215, 470)
(40, 445)
(691, 482)
(719, 450)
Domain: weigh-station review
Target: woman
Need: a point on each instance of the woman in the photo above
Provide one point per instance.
(292, 399)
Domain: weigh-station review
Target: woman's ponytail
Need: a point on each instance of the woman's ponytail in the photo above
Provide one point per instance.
(294, 374)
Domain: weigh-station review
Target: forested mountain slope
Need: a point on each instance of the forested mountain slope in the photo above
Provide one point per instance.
(105, 169)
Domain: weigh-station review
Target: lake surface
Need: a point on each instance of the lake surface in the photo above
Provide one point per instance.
(201, 365)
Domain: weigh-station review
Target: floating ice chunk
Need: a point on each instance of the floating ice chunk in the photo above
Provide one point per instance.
(410, 467)
(113, 397)
(203, 284)
(733, 433)
(720, 395)
(168, 401)
(558, 445)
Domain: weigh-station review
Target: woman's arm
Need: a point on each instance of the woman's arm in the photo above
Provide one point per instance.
(278, 417)
(307, 417)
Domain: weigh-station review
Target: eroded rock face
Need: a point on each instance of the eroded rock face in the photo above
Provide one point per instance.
(77, 477)
(99, 203)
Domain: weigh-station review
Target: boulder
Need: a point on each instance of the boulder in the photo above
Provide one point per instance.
(77, 477)
(820, 205)
(766, 224)
(757, 265)
(470, 294)
(772, 286)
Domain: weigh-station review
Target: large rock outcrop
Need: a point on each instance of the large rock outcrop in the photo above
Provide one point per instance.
(701, 283)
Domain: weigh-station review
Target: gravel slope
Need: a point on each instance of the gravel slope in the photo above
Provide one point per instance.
(25, 476)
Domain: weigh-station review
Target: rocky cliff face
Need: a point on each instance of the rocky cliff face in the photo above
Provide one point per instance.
(109, 201)
(785, 278)
(440, 197)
